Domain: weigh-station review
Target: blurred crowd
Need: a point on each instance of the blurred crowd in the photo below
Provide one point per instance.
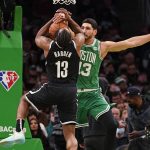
(119, 70)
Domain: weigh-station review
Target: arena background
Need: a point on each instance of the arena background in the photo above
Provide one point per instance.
(20, 21)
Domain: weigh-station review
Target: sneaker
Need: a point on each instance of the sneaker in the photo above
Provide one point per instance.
(16, 138)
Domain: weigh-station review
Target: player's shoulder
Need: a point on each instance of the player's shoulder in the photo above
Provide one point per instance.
(103, 45)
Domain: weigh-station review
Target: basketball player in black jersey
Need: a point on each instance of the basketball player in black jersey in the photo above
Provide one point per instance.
(62, 64)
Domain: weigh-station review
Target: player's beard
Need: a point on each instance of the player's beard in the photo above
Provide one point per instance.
(88, 37)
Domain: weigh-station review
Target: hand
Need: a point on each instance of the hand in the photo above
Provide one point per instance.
(134, 134)
(65, 11)
(62, 10)
(59, 17)
(122, 124)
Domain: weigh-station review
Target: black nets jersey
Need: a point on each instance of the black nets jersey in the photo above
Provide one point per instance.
(62, 64)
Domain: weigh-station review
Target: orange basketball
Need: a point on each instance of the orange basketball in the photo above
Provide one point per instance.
(55, 27)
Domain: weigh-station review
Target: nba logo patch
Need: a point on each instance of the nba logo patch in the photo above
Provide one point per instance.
(8, 79)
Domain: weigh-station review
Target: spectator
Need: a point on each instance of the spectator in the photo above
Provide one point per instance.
(34, 115)
(132, 74)
(37, 132)
(121, 133)
(129, 58)
(122, 83)
(112, 92)
(139, 118)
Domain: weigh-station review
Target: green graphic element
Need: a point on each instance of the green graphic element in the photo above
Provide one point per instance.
(11, 60)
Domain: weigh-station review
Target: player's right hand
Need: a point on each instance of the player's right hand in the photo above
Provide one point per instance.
(59, 17)
(65, 11)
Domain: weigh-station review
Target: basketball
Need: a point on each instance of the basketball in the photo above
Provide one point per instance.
(55, 27)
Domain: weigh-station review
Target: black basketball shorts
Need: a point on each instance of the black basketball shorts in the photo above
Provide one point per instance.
(62, 96)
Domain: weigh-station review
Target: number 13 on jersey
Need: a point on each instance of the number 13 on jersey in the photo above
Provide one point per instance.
(62, 69)
(85, 69)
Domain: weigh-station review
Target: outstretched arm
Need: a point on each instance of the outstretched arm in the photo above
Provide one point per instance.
(129, 43)
(41, 39)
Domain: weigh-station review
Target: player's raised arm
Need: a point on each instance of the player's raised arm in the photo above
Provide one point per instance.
(79, 36)
(41, 40)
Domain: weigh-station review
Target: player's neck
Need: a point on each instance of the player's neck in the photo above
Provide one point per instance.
(89, 41)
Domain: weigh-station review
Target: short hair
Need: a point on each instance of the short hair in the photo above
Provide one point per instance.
(91, 21)
(63, 38)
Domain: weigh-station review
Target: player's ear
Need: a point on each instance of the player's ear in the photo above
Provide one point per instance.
(94, 32)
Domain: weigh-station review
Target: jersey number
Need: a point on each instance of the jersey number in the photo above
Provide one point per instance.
(87, 69)
(62, 69)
